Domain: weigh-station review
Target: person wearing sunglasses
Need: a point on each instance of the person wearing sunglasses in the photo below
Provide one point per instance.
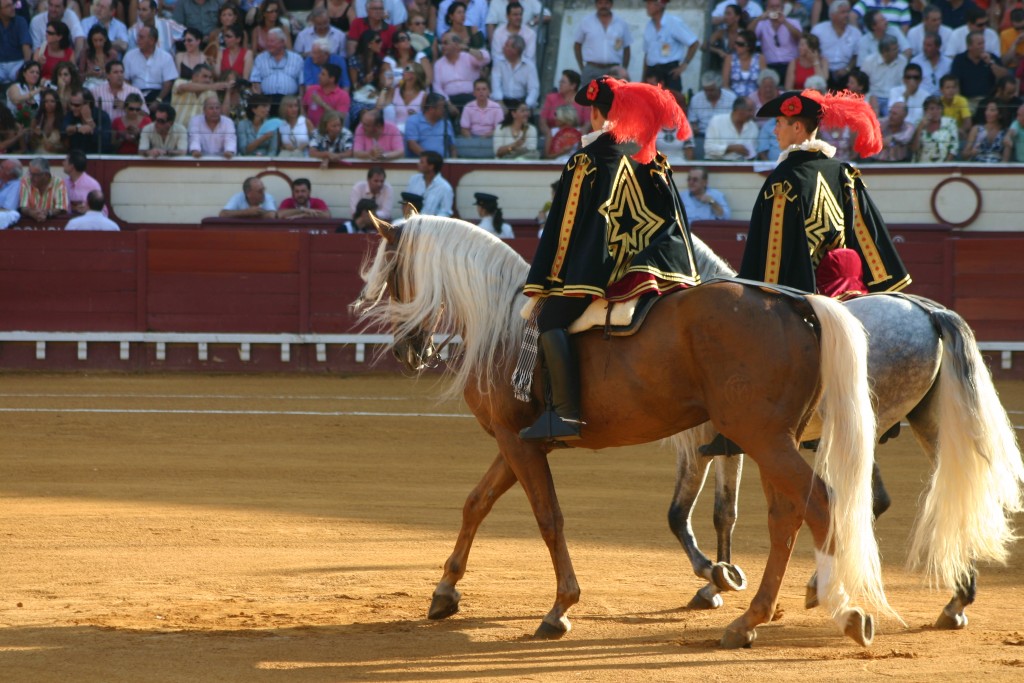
(163, 137)
(977, 20)
(127, 129)
(910, 93)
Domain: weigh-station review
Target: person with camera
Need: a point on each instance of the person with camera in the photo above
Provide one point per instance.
(779, 37)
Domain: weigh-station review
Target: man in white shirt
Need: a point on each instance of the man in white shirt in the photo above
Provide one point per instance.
(438, 195)
(533, 14)
(931, 22)
(601, 42)
(977, 20)
(514, 27)
(934, 65)
(732, 136)
(885, 70)
(103, 15)
(319, 26)
(876, 27)
(149, 69)
(93, 219)
(669, 46)
(839, 42)
(56, 10)
(147, 16)
(377, 188)
(910, 93)
(395, 12)
(252, 202)
(514, 77)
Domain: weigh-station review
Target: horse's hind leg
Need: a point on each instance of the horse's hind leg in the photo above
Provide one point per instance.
(953, 616)
(689, 483)
(498, 479)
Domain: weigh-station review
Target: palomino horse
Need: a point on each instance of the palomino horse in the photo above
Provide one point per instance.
(924, 365)
(702, 354)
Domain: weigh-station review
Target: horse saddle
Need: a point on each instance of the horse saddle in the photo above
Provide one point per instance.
(620, 319)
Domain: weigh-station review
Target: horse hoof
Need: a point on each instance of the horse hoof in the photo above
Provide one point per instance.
(443, 606)
(702, 601)
(728, 577)
(811, 597)
(549, 631)
(860, 627)
(733, 640)
(947, 622)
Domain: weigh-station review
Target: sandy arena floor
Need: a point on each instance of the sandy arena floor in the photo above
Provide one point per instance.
(291, 529)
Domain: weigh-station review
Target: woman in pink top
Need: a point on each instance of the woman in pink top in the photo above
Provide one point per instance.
(409, 97)
(56, 49)
(568, 86)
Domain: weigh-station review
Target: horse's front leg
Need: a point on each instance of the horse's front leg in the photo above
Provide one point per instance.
(498, 479)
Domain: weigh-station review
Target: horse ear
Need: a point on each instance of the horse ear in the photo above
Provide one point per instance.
(409, 210)
(386, 230)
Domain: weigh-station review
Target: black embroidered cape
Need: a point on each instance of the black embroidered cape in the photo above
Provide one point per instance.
(616, 229)
(809, 205)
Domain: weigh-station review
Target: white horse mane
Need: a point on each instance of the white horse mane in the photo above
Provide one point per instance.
(709, 264)
(455, 278)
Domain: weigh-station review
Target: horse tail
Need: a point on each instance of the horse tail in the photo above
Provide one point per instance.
(978, 480)
(845, 456)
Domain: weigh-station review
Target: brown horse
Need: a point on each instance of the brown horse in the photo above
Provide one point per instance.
(755, 363)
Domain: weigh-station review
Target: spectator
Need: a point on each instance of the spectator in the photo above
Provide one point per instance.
(931, 23)
(1013, 148)
(430, 130)
(188, 96)
(228, 16)
(233, 55)
(126, 130)
(302, 204)
(327, 96)
(366, 61)
(377, 139)
(320, 56)
(513, 26)
(934, 65)
(95, 216)
(732, 136)
(192, 56)
(839, 42)
(749, 9)
(41, 196)
(403, 56)
(809, 62)
(954, 12)
(252, 202)
(332, 141)
(86, 127)
(148, 16)
(163, 137)
(111, 95)
(1011, 40)
(492, 219)
(711, 100)
(409, 95)
(568, 86)
(376, 188)
(722, 41)
(936, 139)
(149, 69)
(46, 137)
(767, 142)
(516, 138)
(197, 14)
(361, 221)
(438, 196)
(98, 52)
(257, 133)
(669, 45)
(211, 133)
(318, 27)
(876, 27)
(13, 135)
(375, 22)
(466, 20)
(498, 14)
(65, 81)
(277, 71)
(779, 36)
(56, 10)
(896, 12)
(911, 94)
(422, 39)
(480, 118)
(602, 42)
(23, 94)
(270, 17)
(10, 188)
(977, 70)
(103, 16)
(954, 105)
(767, 88)
(985, 141)
(15, 41)
(1007, 99)
(515, 78)
(741, 70)
(885, 69)
(701, 202)
(57, 48)
(457, 69)
(977, 22)
(897, 134)
(296, 131)
(566, 136)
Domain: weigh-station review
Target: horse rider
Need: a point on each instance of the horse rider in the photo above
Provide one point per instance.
(616, 231)
(813, 226)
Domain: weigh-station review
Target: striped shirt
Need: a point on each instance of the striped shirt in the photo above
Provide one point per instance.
(54, 198)
(896, 11)
(278, 76)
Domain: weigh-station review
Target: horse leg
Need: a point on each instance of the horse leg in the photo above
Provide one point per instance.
(952, 616)
(726, 575)
(692, 473)
(498, 479)
(784, 520)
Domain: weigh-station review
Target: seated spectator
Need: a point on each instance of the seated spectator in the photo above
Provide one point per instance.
(885, 69)
(126, 130)
(741, 69)
(98, 52)
(465, 20)
(954, 105)
(936, 139)
(77, 183)
(318, 27)
(270, 16)
(403, 57)
(977, 70)
(277, 71)
(779, 36)
(327, 96)
(86, 126)
(934, 65)
(568, 86)
(516, 138)
(229, 15)
(514, 26)
(420, 36)
(726, 31)
(257, 132)
(149, 68)
(41, 196)
(46, 136)
(710, 101)
(147, 14)
(897, 134)
(188, 95)
(767, 89)
(302, 204)
(515, 78)
(457, 69)
(438, 196)
(366, 61)
(701, 202)
(492, 219)
(910, 93)
(1011, 39)
(361, 221)
(10, 188)
(977, 22)
(252, 202)
(57, 48)
(565, 137)
(839, 42)
(808, 62)
(374, 21)
(377, 139)
(409, 95)
(163, 137)
(767, 142)
(94, 217)
(1013, 148)
(876, 27)
(23, 94)
(111, 95)
(65, 81)
(320, 56)
(16, 48)
(233, 55)
(480, 118)
(332, 141)
(1006, 98)
(430, 130)
(377, 188)
(211, 133)
(931, 24)
(985, 141)
(296, 131)
(732, 136)
(56, 10)
(192, 56)
(13, 136)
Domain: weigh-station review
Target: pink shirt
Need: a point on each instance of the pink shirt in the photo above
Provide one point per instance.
(314, 203)
(78, 190)
(390, 139)
(457, 79)
(385, 200)
(481, 121)
(338, 100)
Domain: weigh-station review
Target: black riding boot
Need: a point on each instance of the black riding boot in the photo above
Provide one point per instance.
(720, 445)
(560, 420)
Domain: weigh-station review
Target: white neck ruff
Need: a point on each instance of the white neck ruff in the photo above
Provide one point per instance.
(812, 145)
(595, 134)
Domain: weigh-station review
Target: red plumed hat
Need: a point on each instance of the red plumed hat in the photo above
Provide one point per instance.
(833, 110)
(638, 112)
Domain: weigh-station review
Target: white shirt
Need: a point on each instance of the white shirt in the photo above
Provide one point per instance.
(932, 75)
(752, 9)
(238, 202)
(304, 41)
(915, 36)
(702, 111)
(519, 82)
(669, 43)
(501, 34)
(476, 16)
(394, 11)
(116, 31)
(438, 198)
(869, 44)
(884, 77)
(487, 223)
(37, 27)
(149, 73)
(721, 133)
(839, 50)
(602, 45)
(92, 220)
(915, 103)
(532, 12)
(957, 42)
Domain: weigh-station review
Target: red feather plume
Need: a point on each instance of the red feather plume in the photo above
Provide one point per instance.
(640, 112)
(847, 108)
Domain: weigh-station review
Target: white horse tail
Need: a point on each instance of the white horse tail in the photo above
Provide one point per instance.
(844, 459)
(978, 480)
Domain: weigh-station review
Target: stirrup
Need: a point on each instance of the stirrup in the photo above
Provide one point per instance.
(550, 427)
(720, 445)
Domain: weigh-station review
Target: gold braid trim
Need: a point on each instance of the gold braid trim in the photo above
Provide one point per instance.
(581, 167)
(864, 239)
(773, 259)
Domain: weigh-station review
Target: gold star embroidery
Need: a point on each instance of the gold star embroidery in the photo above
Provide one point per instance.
(630, 223)
(825, 219)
